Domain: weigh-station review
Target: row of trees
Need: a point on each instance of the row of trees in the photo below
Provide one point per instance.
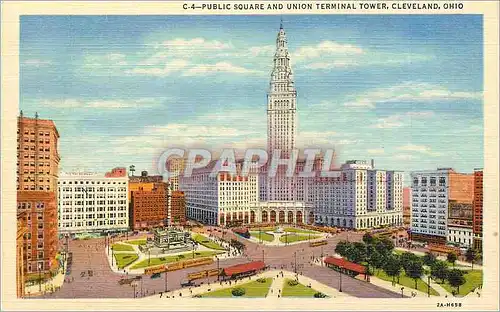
(377, 253)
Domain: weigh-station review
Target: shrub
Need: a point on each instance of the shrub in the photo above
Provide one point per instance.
(293, 283)
(181, 256)
(197, 296)
(237, 292)
(162, 259)
(261, 280)
(319, 295)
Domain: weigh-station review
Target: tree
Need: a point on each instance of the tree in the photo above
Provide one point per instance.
(368, 239)
(451, 258)
(415, 270)
(471, 255)
(341, 248)
(456, 278)
(439, 269)
(388, 244)
(407, 258)
(429, 258)
(356, 252)
(392, 267)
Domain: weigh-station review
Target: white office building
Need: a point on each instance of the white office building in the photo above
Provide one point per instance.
(461, 235)
(358, 197)
(92, 202)
(221, 199)
(429, 205)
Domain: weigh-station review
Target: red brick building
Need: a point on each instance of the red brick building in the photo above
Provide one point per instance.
(407, 206)
(178, 207)
(21, 236)
(37, 176)
(478, 209)
(148, 206)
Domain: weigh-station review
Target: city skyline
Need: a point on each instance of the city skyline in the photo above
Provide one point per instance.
(120, 93)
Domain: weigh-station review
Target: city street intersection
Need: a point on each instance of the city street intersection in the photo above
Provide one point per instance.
(92, 277)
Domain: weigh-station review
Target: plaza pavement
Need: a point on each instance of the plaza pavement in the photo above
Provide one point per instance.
(274, 289)
(90, 256)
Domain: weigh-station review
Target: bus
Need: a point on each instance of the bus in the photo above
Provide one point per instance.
(318, 243)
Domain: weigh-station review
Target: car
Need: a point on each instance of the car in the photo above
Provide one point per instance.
(187, 283)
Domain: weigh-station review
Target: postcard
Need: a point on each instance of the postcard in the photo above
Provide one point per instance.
(264, 155)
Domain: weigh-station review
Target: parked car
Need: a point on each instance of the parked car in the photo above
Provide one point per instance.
(187, 283)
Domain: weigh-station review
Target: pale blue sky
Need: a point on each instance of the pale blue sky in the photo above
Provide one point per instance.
(404, 90)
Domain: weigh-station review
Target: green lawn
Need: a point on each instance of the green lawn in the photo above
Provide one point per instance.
(253, 289)
(264, 236)
(136, 242)
(169, 259)
(303, 231)
(122, 247)
(123, 259)
(298, 290)
(290, 238)
(473, 279)
(407, 282)
(202, 240)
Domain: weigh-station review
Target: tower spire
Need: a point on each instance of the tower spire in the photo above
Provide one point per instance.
(281, 22)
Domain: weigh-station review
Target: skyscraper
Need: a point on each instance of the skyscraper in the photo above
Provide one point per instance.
(282, 125)
(281, 101)
(37, 176)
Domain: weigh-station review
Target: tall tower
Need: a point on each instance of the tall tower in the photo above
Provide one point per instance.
(281, 122)
(281, 101)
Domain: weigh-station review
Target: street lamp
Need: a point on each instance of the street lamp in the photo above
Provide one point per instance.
(218, 269)
(149, 256)
(428, 286)
(39, 277)
(166, 278)
(340, 271)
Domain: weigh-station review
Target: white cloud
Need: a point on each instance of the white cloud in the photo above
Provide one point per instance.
(226, 67)
(399, 120)
(195, 131)
(324, 49)
(333, 64)
(408, 92)
(196, 44)
(376, 151)
(421, 149)
(170, 67)
(404, 157)
(36, 63)
(105, 104)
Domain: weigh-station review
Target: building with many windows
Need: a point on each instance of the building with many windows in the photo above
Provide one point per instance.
(93, 202)
(407, 206)
(149, 207)
(37, 176)
(220, 199)
(178, 207)
(478, 209)
(22, 231)
(358, 197)
(439, 197)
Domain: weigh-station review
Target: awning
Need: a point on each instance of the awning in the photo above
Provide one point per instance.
(244, 268)
(340, 262)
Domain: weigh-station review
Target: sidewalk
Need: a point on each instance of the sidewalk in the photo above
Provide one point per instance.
(48, 286)
(276, 286)
(464, 265)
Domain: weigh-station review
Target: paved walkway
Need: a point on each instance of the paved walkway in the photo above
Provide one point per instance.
(48, 286)
(274, 290)
(460, 264)
(277, 243)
